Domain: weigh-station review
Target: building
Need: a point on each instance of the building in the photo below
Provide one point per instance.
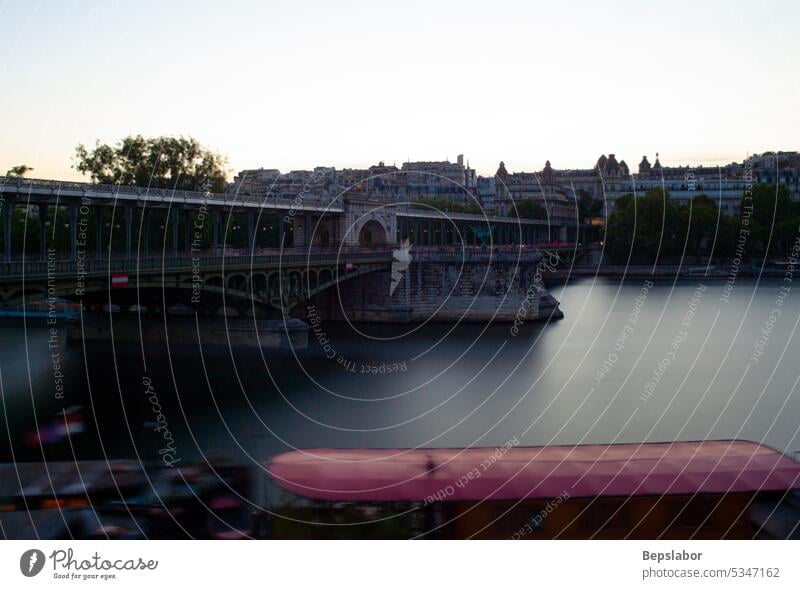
(610, 179)
(254, 182)
(540, 187)
(443, 180)
(558, 191)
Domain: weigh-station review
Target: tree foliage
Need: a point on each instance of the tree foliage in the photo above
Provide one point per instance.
(587, 206)
(656, 228)
(19, 171)
(529, 209)
(774, 220)
(159, 162)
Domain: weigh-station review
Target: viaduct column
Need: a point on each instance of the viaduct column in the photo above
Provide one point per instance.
(7, 212)
(128, 232)
(187, 232)
(173, 212)
(281, 230)
(73, 232)
(98, 229)
(145, 246)
(251, 231)
(43, 232)
(215, 228)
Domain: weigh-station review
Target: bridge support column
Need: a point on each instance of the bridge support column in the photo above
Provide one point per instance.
(187, 232)
(215, 227)
(7, 213)
(43, 232)
(281, 231)
(174, 214)
(128, 232)
(73, 232)
(98, 230)
(251, 231)
(144, 245)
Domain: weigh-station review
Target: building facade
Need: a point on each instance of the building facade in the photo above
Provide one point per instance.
(558, 191)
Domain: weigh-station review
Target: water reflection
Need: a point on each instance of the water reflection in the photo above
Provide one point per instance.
(690, 366)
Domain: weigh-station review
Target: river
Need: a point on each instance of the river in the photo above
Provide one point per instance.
(630, 362)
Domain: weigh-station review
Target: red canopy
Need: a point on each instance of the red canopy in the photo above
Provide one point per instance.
(535, 472)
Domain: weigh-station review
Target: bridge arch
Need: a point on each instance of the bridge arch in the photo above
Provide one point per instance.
(373, 233)
(237, 282)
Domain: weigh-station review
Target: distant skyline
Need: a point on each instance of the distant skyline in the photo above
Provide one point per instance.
(293, 85)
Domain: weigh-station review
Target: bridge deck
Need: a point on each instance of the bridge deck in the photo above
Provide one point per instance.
(52, 191)
(13, 272)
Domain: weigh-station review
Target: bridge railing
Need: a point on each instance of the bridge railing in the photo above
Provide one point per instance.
(24, 185)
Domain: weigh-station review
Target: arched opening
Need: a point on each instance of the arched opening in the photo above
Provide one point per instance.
(237, 282)
(322, 236)
(259, 283)
(372, 233)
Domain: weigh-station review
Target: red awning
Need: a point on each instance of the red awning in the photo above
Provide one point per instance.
(535, 472)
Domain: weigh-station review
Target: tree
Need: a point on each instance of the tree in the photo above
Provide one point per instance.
(587, 206)
(645, 229)
(529, 209)
(702, 217)
(770, 203)
(159, 162)
(19, 171)
(774, 219)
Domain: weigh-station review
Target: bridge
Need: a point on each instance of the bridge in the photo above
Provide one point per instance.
(229, 253)
(131, 219)
(262, 284)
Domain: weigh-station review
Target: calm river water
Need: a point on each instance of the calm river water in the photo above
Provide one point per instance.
(628, 363)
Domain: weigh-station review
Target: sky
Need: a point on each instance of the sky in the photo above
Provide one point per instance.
(294, 84)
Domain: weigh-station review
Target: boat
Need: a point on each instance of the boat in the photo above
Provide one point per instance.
(679, 490)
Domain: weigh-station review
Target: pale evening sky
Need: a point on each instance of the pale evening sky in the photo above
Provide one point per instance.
(293, 84)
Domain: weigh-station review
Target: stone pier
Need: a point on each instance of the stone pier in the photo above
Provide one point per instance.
(447, 286)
